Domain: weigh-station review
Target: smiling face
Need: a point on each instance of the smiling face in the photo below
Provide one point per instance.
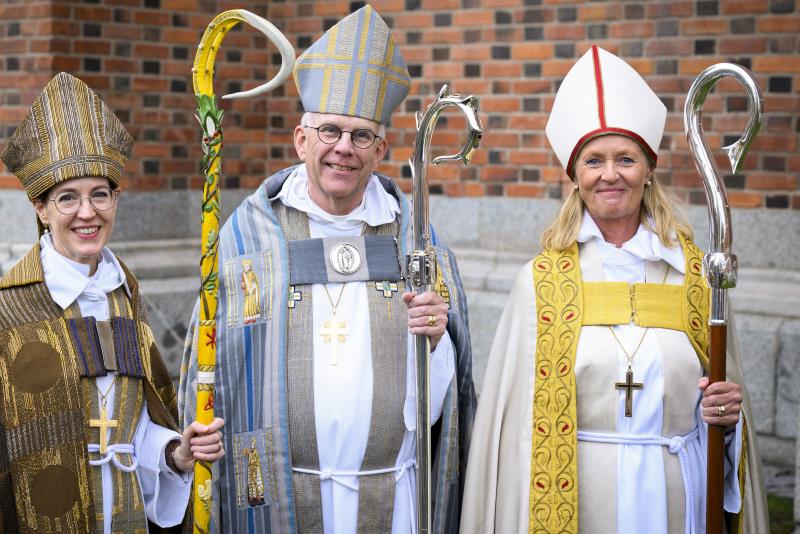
(81, 235)
(611, 172)
(338, 174)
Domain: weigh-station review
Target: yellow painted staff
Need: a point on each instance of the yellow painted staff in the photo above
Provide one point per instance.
(210, 118)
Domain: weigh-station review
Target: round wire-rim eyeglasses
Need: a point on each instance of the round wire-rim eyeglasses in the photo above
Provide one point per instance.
(330, 135)
(69, 202)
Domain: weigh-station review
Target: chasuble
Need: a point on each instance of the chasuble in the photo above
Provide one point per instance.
(65, 377)
(326, 403)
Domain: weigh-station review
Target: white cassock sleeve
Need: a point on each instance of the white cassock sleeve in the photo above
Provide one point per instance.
(165, 493)
(443, 367)
(733, 453)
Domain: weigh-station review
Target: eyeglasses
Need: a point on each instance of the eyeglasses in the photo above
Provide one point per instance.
(69, 202)
(330, 135)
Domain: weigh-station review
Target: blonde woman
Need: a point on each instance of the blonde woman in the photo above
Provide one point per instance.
(594, 408)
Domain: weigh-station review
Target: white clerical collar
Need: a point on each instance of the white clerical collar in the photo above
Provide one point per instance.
(644, 246)
(67, 280)
(377, 207)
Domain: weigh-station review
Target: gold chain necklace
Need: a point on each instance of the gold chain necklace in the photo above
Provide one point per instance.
(334, 331)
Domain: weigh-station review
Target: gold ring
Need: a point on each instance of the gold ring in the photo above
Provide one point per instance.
(720, 410)
(431, 320)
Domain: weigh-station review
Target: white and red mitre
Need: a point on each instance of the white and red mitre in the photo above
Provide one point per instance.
(602, 95)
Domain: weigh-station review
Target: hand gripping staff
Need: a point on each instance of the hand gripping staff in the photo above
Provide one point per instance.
(210, 118)
(719, 264)
(422, 269)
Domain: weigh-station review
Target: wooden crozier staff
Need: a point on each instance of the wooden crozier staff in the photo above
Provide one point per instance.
(210, 118)
(422, 269)
(719, 264)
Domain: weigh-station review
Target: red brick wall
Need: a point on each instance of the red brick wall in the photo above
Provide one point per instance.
(511, 53)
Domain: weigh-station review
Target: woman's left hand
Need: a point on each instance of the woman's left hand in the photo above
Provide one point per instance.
(722, 402)
(199, 442)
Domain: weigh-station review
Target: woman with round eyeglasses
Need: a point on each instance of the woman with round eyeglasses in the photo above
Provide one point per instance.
(88, 415)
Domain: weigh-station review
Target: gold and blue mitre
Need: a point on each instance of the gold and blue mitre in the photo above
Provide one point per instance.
(355, 69)
(68, 133)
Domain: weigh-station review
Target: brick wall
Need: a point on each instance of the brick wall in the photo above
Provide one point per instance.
(511, 53)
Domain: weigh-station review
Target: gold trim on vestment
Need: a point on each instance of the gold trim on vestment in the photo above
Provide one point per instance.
(564, 303)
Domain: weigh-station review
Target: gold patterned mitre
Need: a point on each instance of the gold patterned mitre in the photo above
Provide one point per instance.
(68, 133)
(355, 69)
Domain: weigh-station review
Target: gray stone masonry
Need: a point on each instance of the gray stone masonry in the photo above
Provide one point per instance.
(157, 236)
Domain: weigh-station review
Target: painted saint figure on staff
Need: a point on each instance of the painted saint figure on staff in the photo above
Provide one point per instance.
(328, 377)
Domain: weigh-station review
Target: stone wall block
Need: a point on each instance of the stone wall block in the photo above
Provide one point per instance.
(759, 344)
(787, 398)
(169, 306)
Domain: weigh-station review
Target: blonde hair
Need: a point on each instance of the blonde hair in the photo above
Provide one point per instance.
(666, 212)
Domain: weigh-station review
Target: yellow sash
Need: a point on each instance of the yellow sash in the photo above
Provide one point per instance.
(564, 303)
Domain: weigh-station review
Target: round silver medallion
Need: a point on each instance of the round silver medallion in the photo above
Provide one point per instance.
(345, 258)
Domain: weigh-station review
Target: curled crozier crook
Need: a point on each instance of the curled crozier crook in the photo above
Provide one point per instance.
(426, 123)
(422, 271)
(203, 71)
(719, 264)
(210, 118)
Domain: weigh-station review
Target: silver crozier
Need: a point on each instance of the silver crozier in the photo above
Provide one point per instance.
(719, 264)
(422, 271)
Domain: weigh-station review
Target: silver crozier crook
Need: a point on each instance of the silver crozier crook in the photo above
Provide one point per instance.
(719, 264)
(422, 270)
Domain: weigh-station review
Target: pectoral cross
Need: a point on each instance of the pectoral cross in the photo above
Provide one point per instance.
(334, 332)
(104, 423)
(629, 385)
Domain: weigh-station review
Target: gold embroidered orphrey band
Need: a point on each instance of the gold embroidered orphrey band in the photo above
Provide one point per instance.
(563, 306)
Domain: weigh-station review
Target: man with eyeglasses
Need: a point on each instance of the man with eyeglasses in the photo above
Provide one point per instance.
(317, 385)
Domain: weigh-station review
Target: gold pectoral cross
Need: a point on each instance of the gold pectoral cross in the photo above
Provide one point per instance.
(334, 332)
(104, 423)
(629, 385)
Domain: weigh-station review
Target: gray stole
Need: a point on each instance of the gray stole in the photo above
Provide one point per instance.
(387, 426)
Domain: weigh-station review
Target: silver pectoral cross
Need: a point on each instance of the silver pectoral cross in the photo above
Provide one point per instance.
(629, 385)
(334, 332)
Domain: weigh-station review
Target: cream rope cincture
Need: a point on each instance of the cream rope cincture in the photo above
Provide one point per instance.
(210, 118)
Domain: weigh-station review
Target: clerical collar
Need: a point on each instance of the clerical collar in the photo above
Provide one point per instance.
(644, 246)
(67, 280)
(377, 207)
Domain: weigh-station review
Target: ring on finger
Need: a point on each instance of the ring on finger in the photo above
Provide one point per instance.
(431, 320)
(720, 410)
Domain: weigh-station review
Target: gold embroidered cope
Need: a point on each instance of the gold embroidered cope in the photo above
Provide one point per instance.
(564, 303)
